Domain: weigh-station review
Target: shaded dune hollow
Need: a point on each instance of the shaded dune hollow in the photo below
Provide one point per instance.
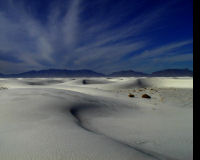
(43, 82)
(55, 129)
(89, 81)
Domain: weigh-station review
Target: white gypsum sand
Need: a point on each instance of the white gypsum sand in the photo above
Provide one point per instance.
(94, 119)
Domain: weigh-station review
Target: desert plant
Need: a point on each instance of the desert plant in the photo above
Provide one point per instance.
(131, 95)
(146, 96)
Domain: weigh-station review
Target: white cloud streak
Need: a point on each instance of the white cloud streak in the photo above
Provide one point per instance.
(161, 51)
(70, 24)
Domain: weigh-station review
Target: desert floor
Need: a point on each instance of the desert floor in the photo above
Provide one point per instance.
(95, 119)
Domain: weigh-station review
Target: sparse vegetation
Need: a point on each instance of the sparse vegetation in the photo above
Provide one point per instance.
(146, 96)
(131, 95)
(1, 88)
(84, 81)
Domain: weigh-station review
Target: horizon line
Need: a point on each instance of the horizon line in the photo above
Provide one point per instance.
(99, 72)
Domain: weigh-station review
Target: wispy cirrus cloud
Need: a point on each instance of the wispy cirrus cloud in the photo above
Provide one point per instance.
(164, 50)
(176, 58)
(168, 55)
(99, 35)
(70, 24)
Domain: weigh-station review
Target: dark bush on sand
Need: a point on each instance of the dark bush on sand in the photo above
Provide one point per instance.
(84, 81)
(1, 88)
(131, 95)
(146, 96)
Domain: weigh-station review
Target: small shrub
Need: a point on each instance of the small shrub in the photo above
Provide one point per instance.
(131, 95)
(84, 81)
(1, 88)
(146, 96)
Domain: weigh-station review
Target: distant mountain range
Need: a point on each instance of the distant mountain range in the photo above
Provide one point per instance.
(90, 73)
(173, 73)
(54, 73)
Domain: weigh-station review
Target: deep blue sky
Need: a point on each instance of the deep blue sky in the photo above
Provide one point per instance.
(102, 35)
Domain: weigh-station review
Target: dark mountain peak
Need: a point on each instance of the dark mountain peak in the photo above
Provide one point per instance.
(128, 73)
(1, 74)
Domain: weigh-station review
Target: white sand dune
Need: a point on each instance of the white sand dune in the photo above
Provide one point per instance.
(94, 119)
